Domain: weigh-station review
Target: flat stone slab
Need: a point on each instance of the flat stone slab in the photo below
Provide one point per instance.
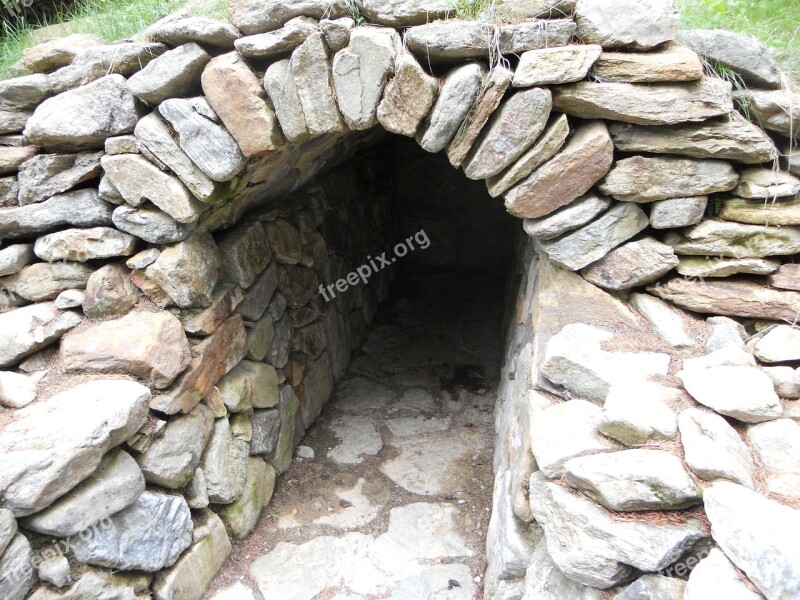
(358, 436)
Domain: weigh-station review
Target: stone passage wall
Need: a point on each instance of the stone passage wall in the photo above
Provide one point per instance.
(147, 218)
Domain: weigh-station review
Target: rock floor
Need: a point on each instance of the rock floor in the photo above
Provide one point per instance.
(397, 497)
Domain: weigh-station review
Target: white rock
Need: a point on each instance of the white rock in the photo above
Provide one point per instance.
(744, 393)
(70, 299)
(14, 258)
(545, 581)
(780, 344)
(786, 381)
(572, 216)
(638, 412)
(716, 577)
(55, 571)
(636, 24)
(653, 587)
(18, 390)
(664, 320)
(777, 444)
(677, 212)
(724, 332)
(25, 330)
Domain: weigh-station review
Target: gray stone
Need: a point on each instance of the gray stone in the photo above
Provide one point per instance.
(174, 74)
(285, 241)
(13, 121)
(236, 95)
(591, 547)
(101, 585)
(715, 575)
(360, 73)
(204, 141)
(224, 464)
(55, 571)
(56, 443)
(281, 457)
(123, 58)
(139, 180)
(76, 75)
(300, 286)
(250, 384)
(242, 515)
(109, 292)
(195, 569)
(337, 32)
(251, 16)
(154, 134)
(653, 587)
(16, 566)
(403, 13)
(725, 333)
(205, 31)
(245, 252)
(744, 393)
(84, 117)
(734, 240)
(545, 581)
(12, 157)
(758, 536)
(282, 91)
(703, 267)
(196, 493)
(57, 52)
(632, 265)
(279, 42)
(780, 344)
(172, 458)
(649, 179)
(205, 321)
(665, 321)
(512, 129)
(733, 139)
(266, 426)
(116, 484)
(84, 244)
(545, 148)
(766, 184)
(677, 212)
(70, 299)
(550, 66)
(534, 35)
(787, 277)
(572, 216)
(645, 104)
(565, 431)
(771, 211)
(456, 96)
(777, 111)
(18, 390)
(445, 41)
(408, 97)
(592, 242)
(31, 328)
(259, 294)
(146, 344)
(9, 191)
(14, 258)
(45, 281)
(673, 63)
(151, 225)
(147, 536)
(23, 93)
(121, 144)
(634, 480)
(311, 70)
(634, 24)
(744, 55)
(639, 412)
(43, 176)
(188, 271)
(776, 444)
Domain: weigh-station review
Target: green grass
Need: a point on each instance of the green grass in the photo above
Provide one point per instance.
(110, 20)
(775, 22)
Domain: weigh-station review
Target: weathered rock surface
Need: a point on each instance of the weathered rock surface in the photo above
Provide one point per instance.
(550, 66)
(81, 208)
(205, 142)
(639, 412)
(585, 159)
(644, 179)
(517, 38)
(57, 443)
(122, 58)
(147, 536)
(151, 225)
(634, 480)
(116, 484)
(545, 581)
(236, 95)
(716, 575)
(677, 212)
(84, 244)
(777, 111)
(311, 70)
(58, 52)
(449, 40)
(149, 345)
(84, 117)
(18, 573)
(45, 281)
(171, 459)
(757, 535)
(279, 42)
(109, 292)
(632, 265)
(178, 30)
(407, 98)
(766, 184)
(402, 13)
(456, 96)
(512, 129)
(18, 390)
(727, 239)
(242, 515)
(139, 180)
(245, 252)
(590, 547)
(744, 393)
(787, 277)
(282, 91)
(360, 72)
(251, 17)
(224, 464)
(259, 294)
(664, 320)
(43, 176)
(779, 212)
(734, 139)
(174, 74)
(673, 63)
(188, 270)
(31, 328)
(627, 24)
(644, 104)
(14, 258)
(590, 243)
(572, 216)
(249, 385)
(743, 54)
(780, 344)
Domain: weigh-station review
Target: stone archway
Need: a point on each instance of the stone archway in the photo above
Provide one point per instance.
(609, 149)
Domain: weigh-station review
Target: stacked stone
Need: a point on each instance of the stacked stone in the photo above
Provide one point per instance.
(146, 203)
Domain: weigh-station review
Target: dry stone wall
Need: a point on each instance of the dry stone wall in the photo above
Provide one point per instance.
(163, 345)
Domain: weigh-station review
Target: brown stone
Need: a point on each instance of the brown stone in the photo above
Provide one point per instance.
(760, 212)
(674, 63)
(787, 277)
(109, 291)
(58, 52)
(145, 344)
(211, 360)
(408, 97)
(204, 322)
(631, 265)
(585, 159)
(236, 95)
(12, 157)
(732, 298)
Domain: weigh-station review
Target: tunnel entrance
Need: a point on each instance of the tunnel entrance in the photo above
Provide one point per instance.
(391, 486)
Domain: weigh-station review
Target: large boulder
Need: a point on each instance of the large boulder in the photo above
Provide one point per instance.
(174, 74)
(55, 444)
(84, 117)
